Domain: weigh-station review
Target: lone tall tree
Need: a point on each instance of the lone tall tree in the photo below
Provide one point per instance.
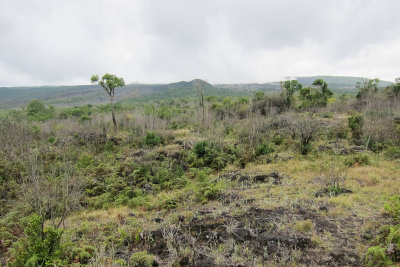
(109, 82)
(199, 87)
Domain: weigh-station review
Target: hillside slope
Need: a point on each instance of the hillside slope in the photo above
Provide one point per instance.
(13, 97)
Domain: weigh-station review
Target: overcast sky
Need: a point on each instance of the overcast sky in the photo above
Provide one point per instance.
(46, 42)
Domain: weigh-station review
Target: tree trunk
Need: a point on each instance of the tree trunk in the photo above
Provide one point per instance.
(113, 115)
(202, 105)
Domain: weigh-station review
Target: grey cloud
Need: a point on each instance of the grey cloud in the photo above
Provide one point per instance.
(53, 42)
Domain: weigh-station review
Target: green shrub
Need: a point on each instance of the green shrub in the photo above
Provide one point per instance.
(82, 255)
(85, 160)
(36, 130)
(393, 152)
(84, 118)
(305, 148)
(142, 259)
(355, 123)
(393, 207)
(152, 139)
(278, 139)
(386, 248)
(357, 160)
(200, 148)
(334, 189)
(376, 256)
(264, 149)
(38, 112)
(139, 201)
(304, 226)
(169, 204)
(51, 139)
(338, 131)
(207, 154)
(38, 247)
(211, 192)
(63, 115)
(378, 147)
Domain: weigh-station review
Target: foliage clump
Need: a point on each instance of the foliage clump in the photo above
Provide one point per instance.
(264, 149)
(358, 159)
(39, 246)
(212, 155)
(315, 96)
(142, 259)
(152, 139)
(37, 111)
(355, 123)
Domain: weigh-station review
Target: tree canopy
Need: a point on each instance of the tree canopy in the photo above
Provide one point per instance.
(109, 82)
(317, 95)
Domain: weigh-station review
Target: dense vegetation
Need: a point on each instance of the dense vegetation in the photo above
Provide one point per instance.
(301, 177)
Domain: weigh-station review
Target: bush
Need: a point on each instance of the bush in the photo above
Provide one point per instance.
(84, 118)
(51, 139)
(376, 256)
(357, 160)
(378, 147)
(386, 248)
(152, 139)
(35, 107)
(278, 139)
(355, 123)
(338, 130)
(39, 247)
(264, 149)
(303, 226)
(393, 152)
(142, 259)
(393, 207)
(305, 148)
(207, 154)
(38, 112)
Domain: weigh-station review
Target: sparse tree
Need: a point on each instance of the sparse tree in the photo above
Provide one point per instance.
(199, 87)
(394, 90)
(306, 129)
(290, 88)
(366, 87)
(315, 96)
(109, 82)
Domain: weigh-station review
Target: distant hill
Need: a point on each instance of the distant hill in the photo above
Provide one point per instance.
(13, 97)
(338, 84)
(94, 94)
(252, 87)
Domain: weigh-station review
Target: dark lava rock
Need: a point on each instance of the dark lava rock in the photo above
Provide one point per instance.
(138, 154)
(158, 220)
(115, 140)
(345, 152)
(241, 234)
(274, 175)
(204, 212)
(184, 144)
(274, 241)
(204, 263)
(230, 176)
(244, 178)
(323, 208)
(260, 178)
(94, 138)
(341, 257)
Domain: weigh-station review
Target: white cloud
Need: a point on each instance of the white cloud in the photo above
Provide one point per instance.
(64, 42)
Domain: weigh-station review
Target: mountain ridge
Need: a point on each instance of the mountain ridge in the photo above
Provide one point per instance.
(75, 95)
